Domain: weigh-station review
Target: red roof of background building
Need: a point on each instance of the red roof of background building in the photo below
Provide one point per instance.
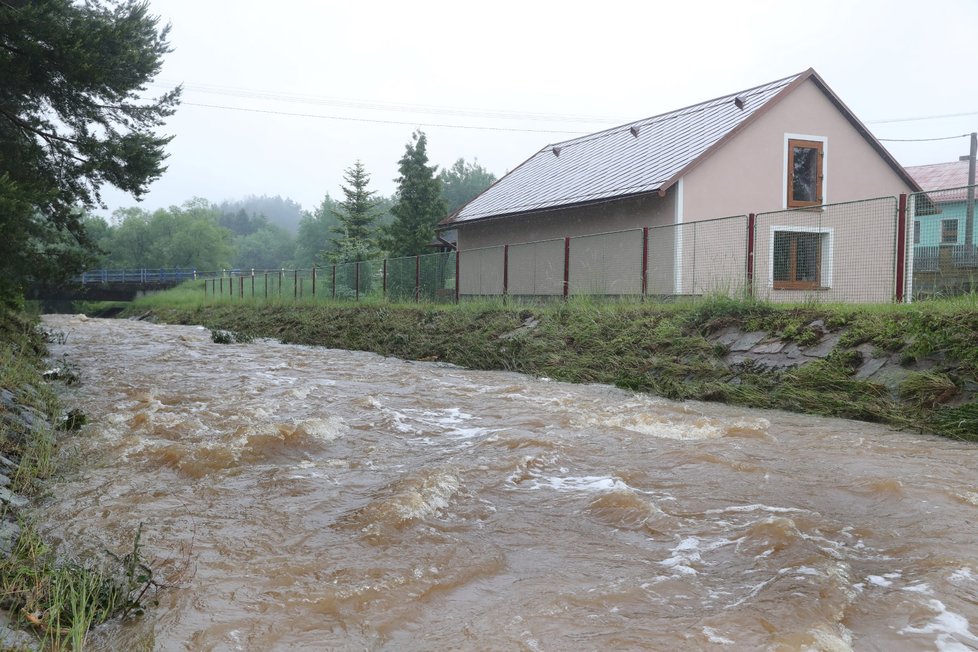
(940, 176)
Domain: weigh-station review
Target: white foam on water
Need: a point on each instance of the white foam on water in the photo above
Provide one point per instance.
(952, 629)
(581, 483)
(432, 496)
(754, 508)
(962, 575)
(713, 637)
(689, 551)
(322, 428)
(662, 427)
(877, 580)
(921, 587)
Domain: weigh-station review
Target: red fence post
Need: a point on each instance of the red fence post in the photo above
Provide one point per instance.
(313, 280)
(566, 267)
(266, 285)
(645, 262)
(901, 248)
(417, 279)
(505, 272)
(295, 283)
(241, 286)
(751, 228)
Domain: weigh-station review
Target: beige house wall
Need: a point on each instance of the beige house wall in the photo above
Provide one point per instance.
(748, 174)
(633, 213)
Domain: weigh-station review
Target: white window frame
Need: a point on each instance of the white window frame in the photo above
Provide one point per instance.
(825, 167)
(828, 255)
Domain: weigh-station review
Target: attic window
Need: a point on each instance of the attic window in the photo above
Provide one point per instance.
(634, 131)
(740, 101)
(805, 173)
(556, 151)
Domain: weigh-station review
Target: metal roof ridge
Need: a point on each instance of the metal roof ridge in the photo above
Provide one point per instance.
(659, 117)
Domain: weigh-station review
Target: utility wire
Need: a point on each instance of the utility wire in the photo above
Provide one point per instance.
(924, 117)
(386, 106)
(386, 122)
(920, 140)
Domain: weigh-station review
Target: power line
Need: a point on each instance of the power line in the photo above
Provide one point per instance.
(920, 140)
(387, 122)
(924, 117)
(386, 106)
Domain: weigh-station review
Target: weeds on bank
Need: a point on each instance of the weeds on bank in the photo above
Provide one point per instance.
(63, 599)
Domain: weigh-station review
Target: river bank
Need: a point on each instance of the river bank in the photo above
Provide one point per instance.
(49, 597)
(910, 367)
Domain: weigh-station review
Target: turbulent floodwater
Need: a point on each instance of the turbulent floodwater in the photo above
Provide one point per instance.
(311, 499)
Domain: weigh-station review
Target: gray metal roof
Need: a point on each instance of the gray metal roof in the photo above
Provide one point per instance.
(617, 162)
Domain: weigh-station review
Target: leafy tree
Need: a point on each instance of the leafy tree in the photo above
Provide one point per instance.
(186, 237)
(314, 244)
(72, 119)
(356, 215)
(462, 182)
(270, 247)
(419, 204)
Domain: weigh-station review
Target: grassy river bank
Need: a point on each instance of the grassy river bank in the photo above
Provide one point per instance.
(49, 597)
(913, 367)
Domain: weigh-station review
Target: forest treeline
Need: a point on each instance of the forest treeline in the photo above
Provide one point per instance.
(274, 232)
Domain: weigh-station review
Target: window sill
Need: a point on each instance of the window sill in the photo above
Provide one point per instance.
(802, 289)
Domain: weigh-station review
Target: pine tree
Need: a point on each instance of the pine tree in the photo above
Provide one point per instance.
(73, 117)
(419, 204)
(356, 214)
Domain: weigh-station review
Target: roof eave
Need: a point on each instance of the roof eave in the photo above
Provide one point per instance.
(549, 209)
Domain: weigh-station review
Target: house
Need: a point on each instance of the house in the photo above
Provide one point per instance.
(946, 223)
(785, 145)
(944, 260)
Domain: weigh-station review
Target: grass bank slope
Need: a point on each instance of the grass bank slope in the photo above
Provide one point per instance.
(913, 367)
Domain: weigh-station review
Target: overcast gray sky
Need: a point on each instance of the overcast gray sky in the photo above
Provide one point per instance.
(513, 76)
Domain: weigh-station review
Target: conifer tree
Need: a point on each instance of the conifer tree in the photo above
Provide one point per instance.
(74, 116)
(356, 215)
(419, 204)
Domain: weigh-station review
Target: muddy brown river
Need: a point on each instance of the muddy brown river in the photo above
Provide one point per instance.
(301, 498)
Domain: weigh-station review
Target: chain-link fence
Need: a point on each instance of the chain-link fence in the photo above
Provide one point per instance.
(536, 269)
(698, 258)
(843, 252)
(482, 272)
(606, 264)
(846, 252)
(942, 257)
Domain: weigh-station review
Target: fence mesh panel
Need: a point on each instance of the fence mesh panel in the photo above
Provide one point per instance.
(437, 278)
(942, 257)
(402, 278)
(834, 253)
(481, 271)
(606, 264)
(697, 258)
(537, 268)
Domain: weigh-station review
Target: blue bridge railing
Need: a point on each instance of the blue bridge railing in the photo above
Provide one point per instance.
(138, 276)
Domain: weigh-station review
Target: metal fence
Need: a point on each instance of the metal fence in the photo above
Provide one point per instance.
(416, 278)
(835, 253)
(870, 251)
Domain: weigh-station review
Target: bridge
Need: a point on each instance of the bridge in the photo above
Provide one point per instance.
(113, 284)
